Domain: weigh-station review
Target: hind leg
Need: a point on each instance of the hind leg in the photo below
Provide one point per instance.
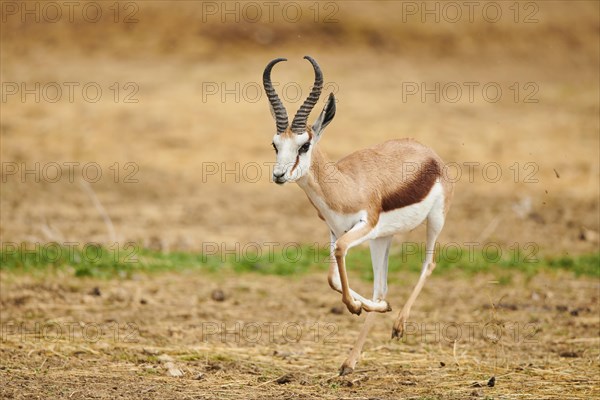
(435, 223)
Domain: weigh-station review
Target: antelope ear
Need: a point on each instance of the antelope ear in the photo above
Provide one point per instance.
(325, 117)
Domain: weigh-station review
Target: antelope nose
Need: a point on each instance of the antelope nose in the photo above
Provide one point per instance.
(276, 176)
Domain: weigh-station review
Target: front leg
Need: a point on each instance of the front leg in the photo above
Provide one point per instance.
(370, 305)
(355, 236)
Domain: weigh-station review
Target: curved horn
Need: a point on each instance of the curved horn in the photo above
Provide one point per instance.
(277, 108)
(299, 122)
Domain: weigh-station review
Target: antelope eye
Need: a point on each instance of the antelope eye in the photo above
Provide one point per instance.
(304, 148)
(275, 147)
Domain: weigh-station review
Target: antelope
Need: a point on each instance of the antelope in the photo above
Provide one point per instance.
(366, 196)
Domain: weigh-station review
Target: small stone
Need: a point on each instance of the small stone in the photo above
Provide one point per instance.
(492, 381)
(175, 372)
(287, 378)
(217, 295)
(537, 217)
(150, 352)
(442, 364)
(569, 354)
(588, 235)
(337, 310)
(95, 291)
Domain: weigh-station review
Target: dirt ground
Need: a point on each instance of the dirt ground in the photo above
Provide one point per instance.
(276, 337)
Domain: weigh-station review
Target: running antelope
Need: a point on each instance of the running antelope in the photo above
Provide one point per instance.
(369, 195)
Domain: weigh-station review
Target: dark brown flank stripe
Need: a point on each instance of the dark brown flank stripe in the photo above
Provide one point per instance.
(415, 190)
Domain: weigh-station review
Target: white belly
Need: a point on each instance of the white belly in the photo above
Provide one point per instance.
(407, 218)
(401, 220)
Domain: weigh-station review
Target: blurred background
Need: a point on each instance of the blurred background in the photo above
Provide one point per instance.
(151, 114)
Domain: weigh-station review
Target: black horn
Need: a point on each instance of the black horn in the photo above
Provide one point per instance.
(277, 108)
(299, 122)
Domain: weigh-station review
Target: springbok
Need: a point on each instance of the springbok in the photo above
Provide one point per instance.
(370, 194)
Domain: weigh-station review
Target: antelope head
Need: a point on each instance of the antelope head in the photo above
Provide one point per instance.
(294, 144)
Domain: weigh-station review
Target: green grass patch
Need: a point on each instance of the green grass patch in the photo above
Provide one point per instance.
(109, 262)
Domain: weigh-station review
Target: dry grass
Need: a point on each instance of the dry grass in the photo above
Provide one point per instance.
(552, 354)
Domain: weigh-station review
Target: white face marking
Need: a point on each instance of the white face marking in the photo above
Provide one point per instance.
(290, 164)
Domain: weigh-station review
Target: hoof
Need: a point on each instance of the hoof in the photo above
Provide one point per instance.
(398, 328)
(346, 370)
(354, 309)
(382, 310)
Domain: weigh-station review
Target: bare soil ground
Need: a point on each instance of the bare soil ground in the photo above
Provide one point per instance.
(275, 337)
